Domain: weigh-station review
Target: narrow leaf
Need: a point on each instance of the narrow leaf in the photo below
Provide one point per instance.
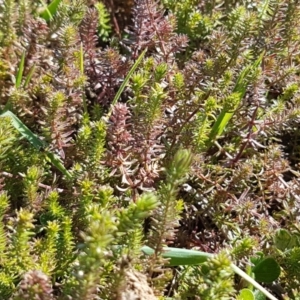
(35, 141)
(55, 160)
(20, 71)
(50, 10)
(264, 11)
(24, 130)
(29, 76)
(180, 257)
(191, 257)
(122, 87)
(239, 89)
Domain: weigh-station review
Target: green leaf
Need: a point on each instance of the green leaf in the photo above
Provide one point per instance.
(180, 257)
(35, 141)
(238, 93)
(246, 294)
(50, 10)
(267, 270)
(20, 71)
(122, 87)
(29, 76)
(55, 160)
(24, 130)
(255, 284)
(259, 256)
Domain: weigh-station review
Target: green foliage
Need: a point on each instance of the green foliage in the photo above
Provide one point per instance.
(104, 26)
(265, 269)
(232, 101)
(4, 204)
(160, 126)
(7, 30)
(6, 141)
(19, 255)
(288, 253)
(97, 237)
(34, 140)
(167, 214)
(213, 279)
(190, 20)
(49, 11)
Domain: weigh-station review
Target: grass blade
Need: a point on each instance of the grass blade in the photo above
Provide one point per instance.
(238, 92)
(122, 87)
(50, 10)
(55, 160)
(29, 76)
(24, 130)
(20, 71)
(35, 141)
(179, 257)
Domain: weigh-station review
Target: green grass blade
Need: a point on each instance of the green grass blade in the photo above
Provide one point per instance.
(35, 141)
(219, 126)
(179, 257)
(239, 89)
(122, 87)
(24, 130)
(50, 10)
(20, 71)
(242, 82)
(55, 160)
(29, 76)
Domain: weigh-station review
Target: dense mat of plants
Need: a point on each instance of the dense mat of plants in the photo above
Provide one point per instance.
(128, 127)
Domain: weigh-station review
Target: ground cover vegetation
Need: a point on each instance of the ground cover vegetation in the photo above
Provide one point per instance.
(149, 149)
